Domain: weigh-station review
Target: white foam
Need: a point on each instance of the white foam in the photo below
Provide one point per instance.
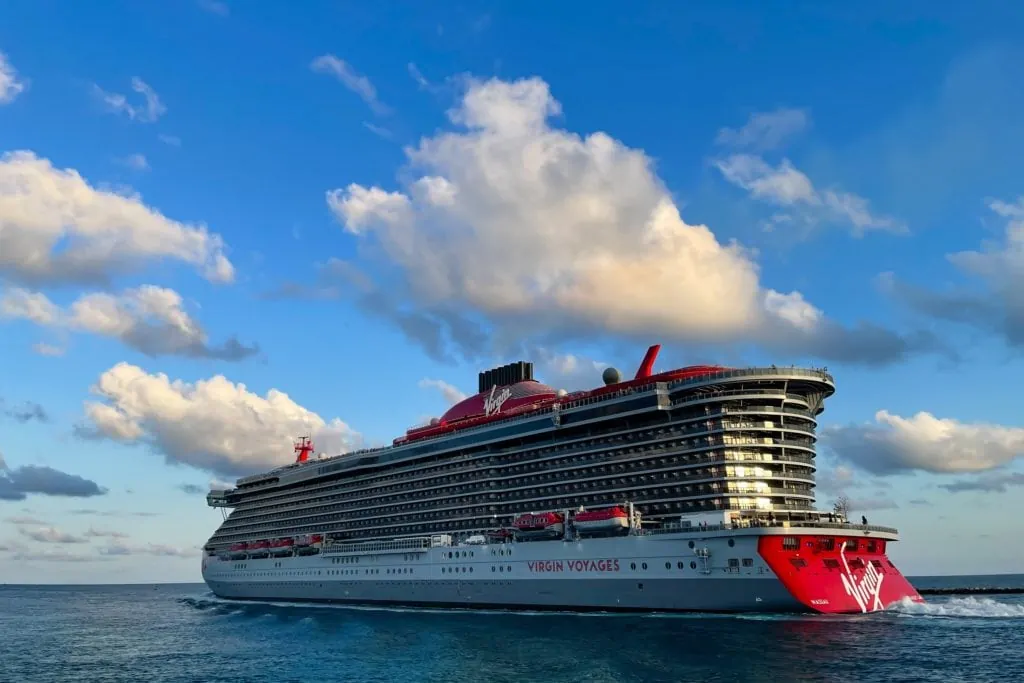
(971, 607)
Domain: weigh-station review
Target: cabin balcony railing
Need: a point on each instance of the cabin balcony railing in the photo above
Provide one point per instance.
(676, 527)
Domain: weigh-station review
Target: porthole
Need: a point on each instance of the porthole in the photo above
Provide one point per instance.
(693, 565)
(668, 565)
(644, 565)
(632, 565)
(732, 542)
(679, 565)
(691, 545)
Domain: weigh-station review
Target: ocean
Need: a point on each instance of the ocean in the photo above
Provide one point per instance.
(181, 632)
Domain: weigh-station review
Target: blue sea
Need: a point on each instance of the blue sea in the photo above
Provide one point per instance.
(181, 632)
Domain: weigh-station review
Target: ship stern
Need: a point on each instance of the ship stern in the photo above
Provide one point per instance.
(837, 572)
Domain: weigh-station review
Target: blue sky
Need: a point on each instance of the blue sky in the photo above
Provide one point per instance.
(343, 201)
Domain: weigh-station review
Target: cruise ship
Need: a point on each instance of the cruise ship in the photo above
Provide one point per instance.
(685, 490)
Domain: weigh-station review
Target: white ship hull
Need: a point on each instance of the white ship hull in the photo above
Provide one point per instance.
(635, 573)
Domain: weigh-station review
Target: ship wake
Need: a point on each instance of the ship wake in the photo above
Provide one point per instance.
(966, 607)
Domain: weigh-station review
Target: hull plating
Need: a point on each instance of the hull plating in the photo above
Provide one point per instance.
(728, 572)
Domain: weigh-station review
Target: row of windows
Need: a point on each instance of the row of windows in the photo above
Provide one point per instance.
(481, 523)
(519, 453)
(681, 485)
(651, 501)
(677, 469)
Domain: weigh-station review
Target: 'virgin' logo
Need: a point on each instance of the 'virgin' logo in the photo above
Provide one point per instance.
(866, 591)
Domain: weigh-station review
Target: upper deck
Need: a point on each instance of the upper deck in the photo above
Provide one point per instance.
(654, 392)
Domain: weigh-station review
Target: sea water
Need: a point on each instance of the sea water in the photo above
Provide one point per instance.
(181, 632)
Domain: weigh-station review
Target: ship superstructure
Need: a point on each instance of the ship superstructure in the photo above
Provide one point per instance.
(703, 473)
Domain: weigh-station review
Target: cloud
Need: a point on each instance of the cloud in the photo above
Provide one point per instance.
(765, 130)
(872, 503)
(147, 111)
(418, 76)
(894, 444)
(122, 549)
(571, 371)
(28, 521)
(920, 502)
(111, 513)
(452, 395)
(218, 485)
(785, 186)
(25, 412)
(213, 424)
(999, 266)
(214, 7)
(509, 229)
(170, 140)
(49, 534)
(55, 555)
(102, 533)
(10, 83)
(136, 162)
(17, 483)
(149, 319)
(379, 131)
(44, 349)
(990, 482)
(351, 79)
(59, 229)
(191, 489)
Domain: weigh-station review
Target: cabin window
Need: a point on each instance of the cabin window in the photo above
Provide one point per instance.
(790, 543)
(828, 544)
(798, 562)
(831, 564)
(748, 562)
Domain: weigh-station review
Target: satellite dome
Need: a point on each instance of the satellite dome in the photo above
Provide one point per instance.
(611, 376)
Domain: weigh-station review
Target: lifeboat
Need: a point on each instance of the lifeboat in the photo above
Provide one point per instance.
(308, 544)
(259, 549)
(238, 551)
(499, 535)
(282, 547)
(539, 525)
(605, 521)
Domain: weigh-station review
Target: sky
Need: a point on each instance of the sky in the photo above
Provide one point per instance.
(226, 224)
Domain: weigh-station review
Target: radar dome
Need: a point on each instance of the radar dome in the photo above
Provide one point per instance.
(562, 392)
(434, 421)
(611, 376)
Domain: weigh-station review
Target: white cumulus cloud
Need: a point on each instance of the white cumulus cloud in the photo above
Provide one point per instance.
(998, 266)
(784, 185)
(765, 130)
(451, 394)
(149, 319)
(11, 84)
(924, 442)
(512, 224)
(212, 424)
(55, 227)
